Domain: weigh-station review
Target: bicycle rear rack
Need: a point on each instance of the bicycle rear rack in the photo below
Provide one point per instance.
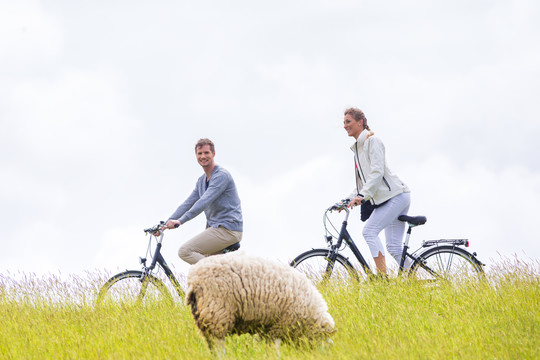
(455, 242)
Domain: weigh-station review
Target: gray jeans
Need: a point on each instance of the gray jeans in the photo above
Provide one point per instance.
(385, 218)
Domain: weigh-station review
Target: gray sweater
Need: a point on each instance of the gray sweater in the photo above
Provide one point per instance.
(220, 202)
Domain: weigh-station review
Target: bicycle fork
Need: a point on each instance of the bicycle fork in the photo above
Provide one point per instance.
(331, 256)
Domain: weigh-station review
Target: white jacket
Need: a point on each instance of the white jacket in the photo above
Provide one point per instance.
(374, 180)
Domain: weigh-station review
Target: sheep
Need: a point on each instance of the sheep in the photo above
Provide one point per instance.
(236, 294)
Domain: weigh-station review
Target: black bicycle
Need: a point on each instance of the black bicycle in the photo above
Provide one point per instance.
(143, 286)
(434, 260)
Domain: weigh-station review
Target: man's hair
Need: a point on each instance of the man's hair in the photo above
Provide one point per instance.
(357, 115)
(203, 142)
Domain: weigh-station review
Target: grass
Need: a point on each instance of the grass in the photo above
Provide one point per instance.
(50, 318)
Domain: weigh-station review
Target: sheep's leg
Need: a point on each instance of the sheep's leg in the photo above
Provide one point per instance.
(216, 346)
(325, 344)
(277, 343)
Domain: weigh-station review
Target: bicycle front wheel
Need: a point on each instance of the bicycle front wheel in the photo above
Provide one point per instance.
(133, 287)
(316, 265)
(448, 263)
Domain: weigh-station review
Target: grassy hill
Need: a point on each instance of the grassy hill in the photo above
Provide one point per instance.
(49, 318)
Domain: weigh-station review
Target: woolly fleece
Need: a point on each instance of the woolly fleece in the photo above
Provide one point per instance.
(235, 293)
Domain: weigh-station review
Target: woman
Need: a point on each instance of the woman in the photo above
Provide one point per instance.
(378, 187)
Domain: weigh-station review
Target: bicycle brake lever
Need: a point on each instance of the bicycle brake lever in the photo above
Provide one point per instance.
(336, 206)
(340, 205)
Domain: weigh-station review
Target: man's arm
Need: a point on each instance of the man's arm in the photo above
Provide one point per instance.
(216, 187)
(181, 210)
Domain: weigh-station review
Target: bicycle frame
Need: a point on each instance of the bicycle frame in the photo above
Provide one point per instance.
(345, 236)
(129, 279)
(160, 260)
(405, 253)
(415, 257)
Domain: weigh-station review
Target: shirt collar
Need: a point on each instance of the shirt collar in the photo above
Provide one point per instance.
(361, 139)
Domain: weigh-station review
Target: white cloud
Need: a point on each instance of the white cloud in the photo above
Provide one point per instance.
(79, 114)
(28, 36)
(283, 214)
(81, 106)
(34, 247)
(494, 209)
(119, 248)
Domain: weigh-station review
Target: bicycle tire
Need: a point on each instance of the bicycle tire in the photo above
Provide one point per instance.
(315, 264)
(449, 263)
(133, 287)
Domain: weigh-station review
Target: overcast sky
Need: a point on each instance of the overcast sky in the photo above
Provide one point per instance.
(101, 104)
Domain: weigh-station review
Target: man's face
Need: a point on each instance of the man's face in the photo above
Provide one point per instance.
(353, 127)
(205, 156)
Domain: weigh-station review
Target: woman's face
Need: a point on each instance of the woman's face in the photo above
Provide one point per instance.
(353, 127)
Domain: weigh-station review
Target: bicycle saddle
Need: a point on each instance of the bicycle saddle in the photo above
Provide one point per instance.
(232, 247)
(415, 220)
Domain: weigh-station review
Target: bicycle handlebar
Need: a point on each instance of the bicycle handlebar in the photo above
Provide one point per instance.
(159, 227)
(342, 205)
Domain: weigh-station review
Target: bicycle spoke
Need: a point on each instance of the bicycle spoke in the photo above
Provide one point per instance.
(318, 268)
(449, 263)
(128, 288)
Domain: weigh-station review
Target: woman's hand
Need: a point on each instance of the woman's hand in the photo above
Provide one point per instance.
(356, 201)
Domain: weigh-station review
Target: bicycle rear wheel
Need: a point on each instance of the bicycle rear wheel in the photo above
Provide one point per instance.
(316, 265)
(133, 287)
(448, 263)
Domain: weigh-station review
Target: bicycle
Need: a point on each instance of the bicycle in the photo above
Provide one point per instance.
(142, 286)
(434, 260)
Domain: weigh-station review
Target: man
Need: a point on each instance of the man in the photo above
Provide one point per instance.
(215, 193)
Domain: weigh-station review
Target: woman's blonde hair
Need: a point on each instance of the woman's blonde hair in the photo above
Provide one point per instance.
(357, 115)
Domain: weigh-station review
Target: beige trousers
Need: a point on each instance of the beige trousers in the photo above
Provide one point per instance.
(209, 242)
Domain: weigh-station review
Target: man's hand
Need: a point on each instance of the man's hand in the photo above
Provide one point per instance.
(171, 224)
(356, 201)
